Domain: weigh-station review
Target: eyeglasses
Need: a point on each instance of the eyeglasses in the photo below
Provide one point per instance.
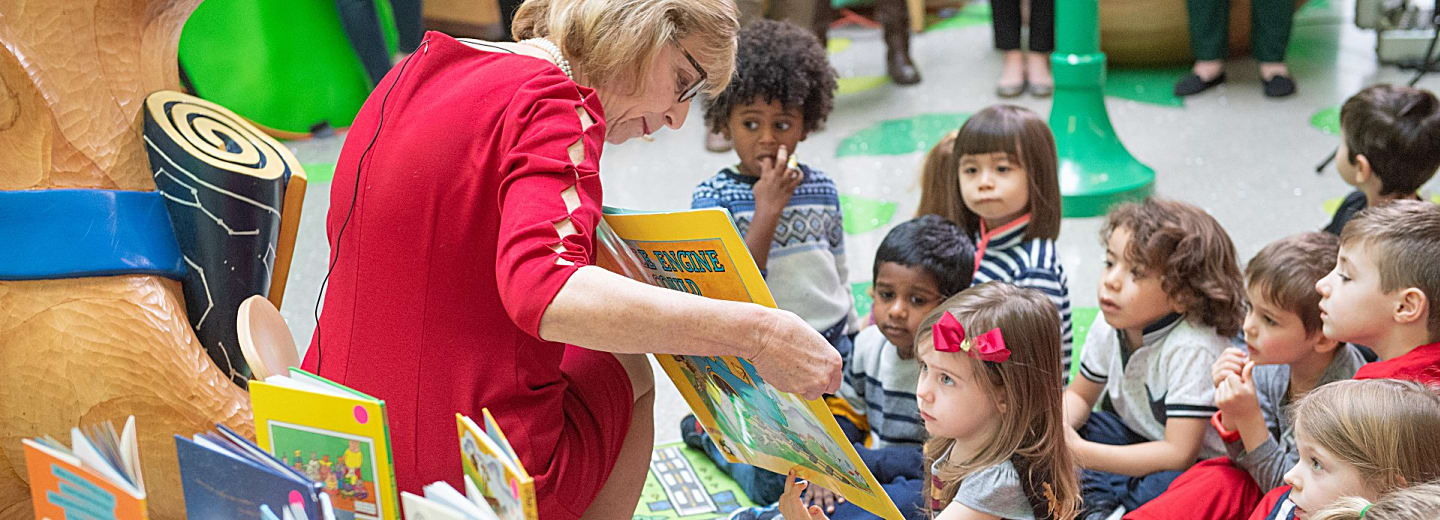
(699, 83)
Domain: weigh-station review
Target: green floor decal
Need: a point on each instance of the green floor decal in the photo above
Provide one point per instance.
(900, 136)
(684, 484)
(1327, 120)
(847, 86)
(860, 292)
(972, 15)
(1146, 85)
(319, 172)
(862, 214)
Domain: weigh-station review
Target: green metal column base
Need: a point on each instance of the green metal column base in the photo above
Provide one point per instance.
(1096, 170)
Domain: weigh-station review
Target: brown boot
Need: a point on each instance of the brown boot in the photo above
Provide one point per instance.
(895, 20)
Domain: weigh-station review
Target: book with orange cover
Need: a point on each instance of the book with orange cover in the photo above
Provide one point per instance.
(97, 476)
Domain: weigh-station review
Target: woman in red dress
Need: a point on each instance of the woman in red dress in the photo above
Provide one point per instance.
(462, 227)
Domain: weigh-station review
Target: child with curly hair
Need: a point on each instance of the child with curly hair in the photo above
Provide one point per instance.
(788, 212)
(1171, 299)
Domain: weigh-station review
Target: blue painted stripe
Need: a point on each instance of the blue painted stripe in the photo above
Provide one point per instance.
(51, 234)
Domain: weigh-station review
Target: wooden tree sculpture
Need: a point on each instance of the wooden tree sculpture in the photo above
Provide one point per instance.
(73, 78)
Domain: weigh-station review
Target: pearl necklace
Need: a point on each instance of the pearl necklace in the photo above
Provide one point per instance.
(554, 52)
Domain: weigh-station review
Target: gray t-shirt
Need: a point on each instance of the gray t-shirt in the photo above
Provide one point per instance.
(994, 491)
(1270, 460)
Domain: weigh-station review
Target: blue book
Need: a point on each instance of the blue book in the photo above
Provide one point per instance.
(224, 476)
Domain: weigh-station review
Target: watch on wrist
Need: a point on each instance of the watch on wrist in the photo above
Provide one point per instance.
(1228, 436)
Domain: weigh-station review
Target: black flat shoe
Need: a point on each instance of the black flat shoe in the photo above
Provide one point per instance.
(1191, 84)
(1278, 86)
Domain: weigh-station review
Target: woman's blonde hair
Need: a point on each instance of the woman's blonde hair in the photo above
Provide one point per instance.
(940, 182)
(1388, 429)
(1031, 433)
(1408, 503)
(614, 42)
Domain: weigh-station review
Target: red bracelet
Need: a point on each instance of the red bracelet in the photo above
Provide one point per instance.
(1228, 436)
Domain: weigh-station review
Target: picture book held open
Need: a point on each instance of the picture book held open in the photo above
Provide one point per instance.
(700, 252)
(339, 437)
(96, 476)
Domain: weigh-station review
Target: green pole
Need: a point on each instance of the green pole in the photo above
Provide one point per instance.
(1095, 169)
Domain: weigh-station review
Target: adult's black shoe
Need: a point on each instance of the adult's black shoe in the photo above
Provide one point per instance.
(1278, 86)
(1192, 84)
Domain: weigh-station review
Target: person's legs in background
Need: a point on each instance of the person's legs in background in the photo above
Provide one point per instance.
(1005, 23)
(894, 20)
(1270, 23)
(362, 28)
(1042, 43)
(1209, 31)
(408, 23)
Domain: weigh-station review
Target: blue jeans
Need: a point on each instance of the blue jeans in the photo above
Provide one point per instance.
(1104, 489)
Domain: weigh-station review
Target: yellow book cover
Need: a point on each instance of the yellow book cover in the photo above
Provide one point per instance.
(333, 434)
(700, 252)
(489, 461)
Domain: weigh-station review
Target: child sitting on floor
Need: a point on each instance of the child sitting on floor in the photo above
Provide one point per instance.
(1389, 147)
(788, 212)
(989, 394)
(1286, 356)
(1361, 439)
(1170, 298)
(1385, 290)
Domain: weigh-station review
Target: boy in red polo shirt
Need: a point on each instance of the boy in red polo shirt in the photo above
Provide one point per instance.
(1383, 292)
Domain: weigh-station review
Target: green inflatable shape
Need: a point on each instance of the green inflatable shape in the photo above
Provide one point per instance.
(847, 86)
(900, 136)
(283, 64)
(1155, 86)
(860, 291)
(864, 214)
(1327, 120)
(319, 172)
(973, 14)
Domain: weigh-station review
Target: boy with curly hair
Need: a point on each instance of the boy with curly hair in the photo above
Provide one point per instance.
(788, 212)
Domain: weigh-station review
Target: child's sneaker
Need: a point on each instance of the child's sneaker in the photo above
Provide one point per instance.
(692, 433)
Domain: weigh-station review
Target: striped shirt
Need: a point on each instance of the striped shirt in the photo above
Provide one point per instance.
(806, 271)
(881, 386)
(1005, 255)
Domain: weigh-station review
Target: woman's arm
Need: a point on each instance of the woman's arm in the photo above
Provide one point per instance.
(600, 310)
(1177, 451)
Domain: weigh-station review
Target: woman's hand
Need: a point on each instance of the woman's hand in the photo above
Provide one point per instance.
(790, 505)
(794, 358)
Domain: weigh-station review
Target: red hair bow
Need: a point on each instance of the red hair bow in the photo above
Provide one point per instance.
(950, 337)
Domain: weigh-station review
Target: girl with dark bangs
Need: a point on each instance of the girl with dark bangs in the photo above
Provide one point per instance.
(1008, 193)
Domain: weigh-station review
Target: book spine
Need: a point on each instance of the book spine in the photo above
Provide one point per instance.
(527, 496)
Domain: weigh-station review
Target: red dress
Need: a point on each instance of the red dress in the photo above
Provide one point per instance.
(456, 246)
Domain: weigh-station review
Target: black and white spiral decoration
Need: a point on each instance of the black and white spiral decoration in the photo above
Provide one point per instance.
(224, 185)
